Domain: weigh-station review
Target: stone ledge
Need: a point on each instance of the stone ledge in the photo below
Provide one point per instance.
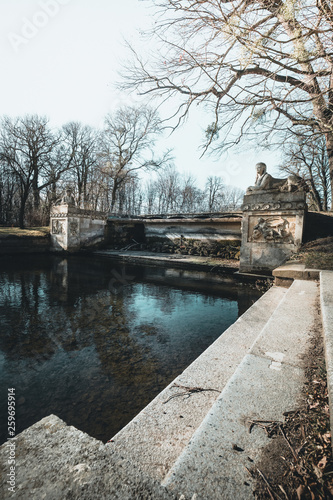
(284, 275)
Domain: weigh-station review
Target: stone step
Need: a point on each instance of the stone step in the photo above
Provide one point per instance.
(55, 461)
(267, 383)
(157, 436)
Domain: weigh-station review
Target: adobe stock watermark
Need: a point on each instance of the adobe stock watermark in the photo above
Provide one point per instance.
(229, 172)
(31, 27)
(10, 444)
(118, 280)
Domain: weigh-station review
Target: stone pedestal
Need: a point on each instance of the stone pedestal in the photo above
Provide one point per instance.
(272, 229)
(73, 228)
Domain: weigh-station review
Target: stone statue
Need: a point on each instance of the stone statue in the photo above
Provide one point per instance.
(66, 199)
(266, 183)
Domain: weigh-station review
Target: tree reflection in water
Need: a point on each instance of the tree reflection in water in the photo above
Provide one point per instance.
(95, 352)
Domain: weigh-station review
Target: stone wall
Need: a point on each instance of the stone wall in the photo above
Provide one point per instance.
(121, 233)
(197, 235)
(224, 249)
(73, 228)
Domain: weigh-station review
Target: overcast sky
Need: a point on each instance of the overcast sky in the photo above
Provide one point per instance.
(61, 58)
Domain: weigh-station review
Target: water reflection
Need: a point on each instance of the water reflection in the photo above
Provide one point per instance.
(93, 341)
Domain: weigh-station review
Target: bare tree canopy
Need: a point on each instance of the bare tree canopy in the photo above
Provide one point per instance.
(27, 146)
(306, 156)
(80, 144)
(264, 62)
(127, 144)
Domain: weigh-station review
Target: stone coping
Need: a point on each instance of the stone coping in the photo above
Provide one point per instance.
(195, 217)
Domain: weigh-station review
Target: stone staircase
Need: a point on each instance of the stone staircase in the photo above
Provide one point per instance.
(185, 437)
(157, 436)
(193, 438)
(267, 383)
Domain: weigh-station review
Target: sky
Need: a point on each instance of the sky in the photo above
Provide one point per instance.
(61, 58)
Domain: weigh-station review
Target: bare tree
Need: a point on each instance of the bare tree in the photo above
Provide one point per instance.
(168, 190)
(150, 194)
(9, 196)
(132, 195)
(232, 198)
(214, 193)
(191, 197)
(127, 145)
(80, 141)
(30, 151)
(267, 63)
(306, 156)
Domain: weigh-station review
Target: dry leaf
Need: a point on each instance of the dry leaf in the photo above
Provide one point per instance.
(327, 437)
(322, 463)
(318, 471)
(301, 492)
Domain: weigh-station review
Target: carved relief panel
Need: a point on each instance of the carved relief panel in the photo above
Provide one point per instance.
(272, 229)
(74, 228)
(58, 226)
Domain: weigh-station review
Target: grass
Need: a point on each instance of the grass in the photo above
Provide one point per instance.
(16, 232)
(319, 260)
(317, 254)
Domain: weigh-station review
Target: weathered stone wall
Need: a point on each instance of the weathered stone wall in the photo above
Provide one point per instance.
(197, 235)
(121, 233)
(224, 249)
(73, 229)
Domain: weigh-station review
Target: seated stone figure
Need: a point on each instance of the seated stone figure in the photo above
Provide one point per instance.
(266, 183)
(66, 199)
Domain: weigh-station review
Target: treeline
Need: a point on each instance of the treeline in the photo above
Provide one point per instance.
(102, 168)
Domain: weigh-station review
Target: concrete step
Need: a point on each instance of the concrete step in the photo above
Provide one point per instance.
(267, 383)
(157, 436)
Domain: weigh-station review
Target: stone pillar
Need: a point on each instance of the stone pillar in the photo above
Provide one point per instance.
(272, 229)
(73, 228)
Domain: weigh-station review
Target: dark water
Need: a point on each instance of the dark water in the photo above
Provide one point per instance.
(93, 341)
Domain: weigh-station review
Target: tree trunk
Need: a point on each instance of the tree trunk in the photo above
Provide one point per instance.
(24, 198)
(316, 198)
(35, 190)
(329, 147)
(114, 194)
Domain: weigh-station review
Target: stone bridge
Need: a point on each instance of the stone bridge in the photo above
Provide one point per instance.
(268, 230)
